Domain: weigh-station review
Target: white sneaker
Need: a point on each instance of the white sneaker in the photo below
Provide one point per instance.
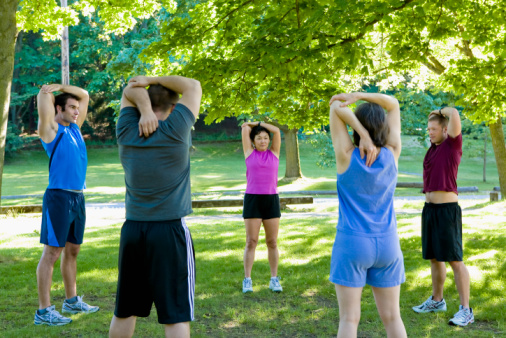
(274, 284)
(463, 317)
(430, 306)
(247, 285)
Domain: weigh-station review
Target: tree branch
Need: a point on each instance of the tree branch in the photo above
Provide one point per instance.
(227, 15)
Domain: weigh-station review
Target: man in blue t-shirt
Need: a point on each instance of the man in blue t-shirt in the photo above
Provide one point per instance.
(156, 258)
(63, 209)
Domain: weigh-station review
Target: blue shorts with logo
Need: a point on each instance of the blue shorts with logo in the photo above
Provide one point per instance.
(63, 217)
(357, 261)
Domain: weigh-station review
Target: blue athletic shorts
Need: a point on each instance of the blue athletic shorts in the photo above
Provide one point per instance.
(63, 218)
(358, 260)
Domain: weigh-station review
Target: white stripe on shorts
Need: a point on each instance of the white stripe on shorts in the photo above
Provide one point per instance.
(191, 266)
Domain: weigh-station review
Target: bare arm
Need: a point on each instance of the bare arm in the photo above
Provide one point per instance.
(246, 141)
(190, 90)
(343, 146)
(47, 126)
(391, 106)
(454, 125)
(138, 97)
(45, 106)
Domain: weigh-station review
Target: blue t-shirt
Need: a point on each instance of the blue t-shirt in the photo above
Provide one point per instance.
(70, 160)
(366, 196)
(157, 168)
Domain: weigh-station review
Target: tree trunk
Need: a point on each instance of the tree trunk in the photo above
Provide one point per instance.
(485, 138)
(293, 170)
(497, 135)
(8, 34)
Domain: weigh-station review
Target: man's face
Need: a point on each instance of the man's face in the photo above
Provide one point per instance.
(437, 133)
(71, 111)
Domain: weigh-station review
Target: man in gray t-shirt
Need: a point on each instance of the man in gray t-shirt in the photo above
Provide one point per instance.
(156, 258)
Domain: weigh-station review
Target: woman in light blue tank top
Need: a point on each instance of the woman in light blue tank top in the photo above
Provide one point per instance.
(366, 248)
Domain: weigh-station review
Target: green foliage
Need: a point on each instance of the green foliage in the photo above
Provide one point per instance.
(463, 42)
(322, 143)
(281, 58)
(13, 142)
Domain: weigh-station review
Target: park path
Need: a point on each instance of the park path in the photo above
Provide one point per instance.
(106, 214)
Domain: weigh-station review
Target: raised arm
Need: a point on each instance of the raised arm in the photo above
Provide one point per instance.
(138, 97)
(391, 106)
(247, 147)
(454, 124)
(343, 146)
(47, 125)
(190, 90)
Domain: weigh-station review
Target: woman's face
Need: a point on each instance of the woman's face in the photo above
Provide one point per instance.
(261, 141)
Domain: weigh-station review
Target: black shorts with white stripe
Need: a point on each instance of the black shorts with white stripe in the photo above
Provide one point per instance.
(156, 264)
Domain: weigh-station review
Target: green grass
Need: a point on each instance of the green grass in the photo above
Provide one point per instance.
(306, 308)
(217, 167)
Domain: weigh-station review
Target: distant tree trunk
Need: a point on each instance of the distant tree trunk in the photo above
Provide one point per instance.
(485, 157)
(497, 135)
(8, 34)
(293, 170)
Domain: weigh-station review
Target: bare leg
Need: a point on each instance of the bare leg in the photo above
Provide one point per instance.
(68, 267)
(45, 268)
(271, 227)
(349, 310)
(122, 327)
(387, 302)
(252, 232)
(178, 330)
(438, 272)
(462, 281)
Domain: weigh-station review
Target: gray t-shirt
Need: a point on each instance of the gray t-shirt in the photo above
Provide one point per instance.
(157, 168)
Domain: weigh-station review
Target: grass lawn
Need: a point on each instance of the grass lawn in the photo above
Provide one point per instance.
(218, 167)
(306, 308)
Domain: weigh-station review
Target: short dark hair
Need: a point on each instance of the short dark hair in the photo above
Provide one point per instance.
(257, 130)
(61, 100)
(162, 98)
(372, 116)
(441, 119)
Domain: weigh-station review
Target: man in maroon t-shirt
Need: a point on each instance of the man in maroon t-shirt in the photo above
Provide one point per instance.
(442, 216)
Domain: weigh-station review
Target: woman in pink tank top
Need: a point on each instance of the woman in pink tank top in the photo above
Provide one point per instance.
(261, 200)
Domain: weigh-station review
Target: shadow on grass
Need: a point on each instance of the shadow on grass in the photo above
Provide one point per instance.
(307, 307)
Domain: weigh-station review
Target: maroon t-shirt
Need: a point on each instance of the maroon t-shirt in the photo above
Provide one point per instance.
(441, 164)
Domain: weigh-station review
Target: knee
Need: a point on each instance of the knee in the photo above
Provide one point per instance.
(458, 266)
(272, 243)
(388, 317)
(50, 256)
(251, 243)
(350, 318)
(72, 250)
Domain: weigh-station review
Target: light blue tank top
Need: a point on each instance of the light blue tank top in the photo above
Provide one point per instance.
(68, 169)
(366, 203)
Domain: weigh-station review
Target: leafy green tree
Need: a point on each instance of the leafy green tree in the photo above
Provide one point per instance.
(34, 15)
(280, 59)
(462, 42)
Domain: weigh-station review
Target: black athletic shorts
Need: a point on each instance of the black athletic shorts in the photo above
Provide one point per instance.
(63, 217)
(156, 264)
(442, 232)
(261, 206)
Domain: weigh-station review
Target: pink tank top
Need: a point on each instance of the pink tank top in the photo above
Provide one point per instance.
(262, 173)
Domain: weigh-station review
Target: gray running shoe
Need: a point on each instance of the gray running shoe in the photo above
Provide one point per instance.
(51, 318)
(430, 306)
(78, 307)
(274, 284)
(463, 317)
(247, 285)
